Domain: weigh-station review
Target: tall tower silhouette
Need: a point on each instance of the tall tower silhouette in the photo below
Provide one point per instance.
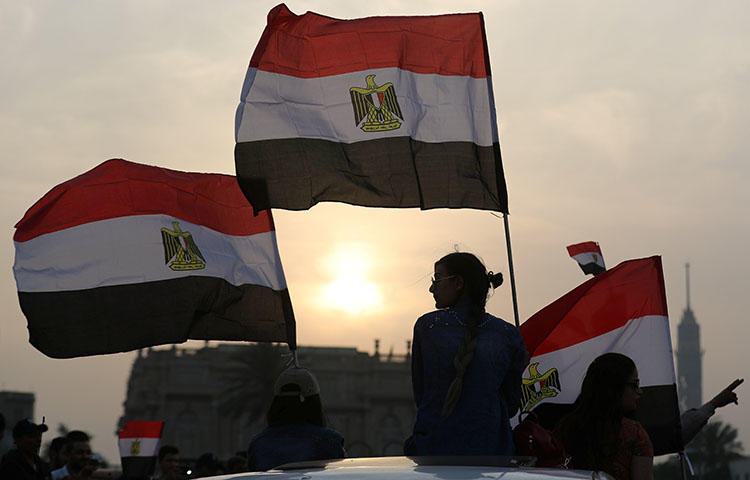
(689, 355)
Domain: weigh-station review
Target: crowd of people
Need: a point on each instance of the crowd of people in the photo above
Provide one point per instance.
(466, 378)
(69, 457)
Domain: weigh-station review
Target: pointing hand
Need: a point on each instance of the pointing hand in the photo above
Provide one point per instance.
(727, 396)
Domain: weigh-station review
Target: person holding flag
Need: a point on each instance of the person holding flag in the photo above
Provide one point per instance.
(598, 433)
(466, 366)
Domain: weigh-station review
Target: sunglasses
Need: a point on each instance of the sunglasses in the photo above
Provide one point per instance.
(438, 280)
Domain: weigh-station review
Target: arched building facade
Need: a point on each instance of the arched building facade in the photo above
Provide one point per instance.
(367, 397)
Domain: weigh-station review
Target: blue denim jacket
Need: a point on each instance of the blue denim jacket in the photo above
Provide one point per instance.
(297, 442)
(480, 423)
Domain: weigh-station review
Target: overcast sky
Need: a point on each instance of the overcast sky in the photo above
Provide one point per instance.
(620, 122)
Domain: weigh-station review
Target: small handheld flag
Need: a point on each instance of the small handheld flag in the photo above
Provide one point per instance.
(589, 257)
(139, 445)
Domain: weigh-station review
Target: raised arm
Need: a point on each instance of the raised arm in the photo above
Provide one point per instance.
(696, 418)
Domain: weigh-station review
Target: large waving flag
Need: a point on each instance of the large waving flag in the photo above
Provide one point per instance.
(127, 256)
(379, 111)
(622, 310)
(138, 443)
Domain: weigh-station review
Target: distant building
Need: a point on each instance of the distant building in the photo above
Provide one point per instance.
(689, 356)
(14, 406)
(367, 398)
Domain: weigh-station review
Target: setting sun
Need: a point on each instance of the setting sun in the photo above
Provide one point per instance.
(350, 290)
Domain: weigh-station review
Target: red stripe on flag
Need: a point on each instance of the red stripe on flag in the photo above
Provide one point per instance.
(141, 429)
(118, 188)
(313, 45)
(584, 247)
(631, 290)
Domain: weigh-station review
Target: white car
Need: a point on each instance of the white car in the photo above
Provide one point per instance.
(419, 468)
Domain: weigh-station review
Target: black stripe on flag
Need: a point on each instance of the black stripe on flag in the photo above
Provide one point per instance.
(592, 268)
(657, 411)
(659, 414)
(68, 324)
(297, 173)
(138, 467)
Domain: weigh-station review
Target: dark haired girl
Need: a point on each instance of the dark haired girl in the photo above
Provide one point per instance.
(597, 433)
(466, 366)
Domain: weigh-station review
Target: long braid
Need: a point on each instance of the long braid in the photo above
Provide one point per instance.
(477, 283)
(461, 361)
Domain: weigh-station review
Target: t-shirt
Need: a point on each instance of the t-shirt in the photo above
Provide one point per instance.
(61, 472)
(633, 442)
(15, 466)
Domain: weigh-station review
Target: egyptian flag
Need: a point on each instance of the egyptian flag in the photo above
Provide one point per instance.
(622, 310)
(139, 447)
(589, 257)
(378, 112)
(127, 256)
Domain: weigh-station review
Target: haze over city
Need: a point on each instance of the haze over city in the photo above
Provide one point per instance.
(622, 123)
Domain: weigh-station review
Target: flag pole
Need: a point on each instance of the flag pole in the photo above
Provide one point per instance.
(510, 270)
(685, 462)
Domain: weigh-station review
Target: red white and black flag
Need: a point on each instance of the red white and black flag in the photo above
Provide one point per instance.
(589, 257)
(379, 112)
(139, 446)
(622, 310)
(126, 256)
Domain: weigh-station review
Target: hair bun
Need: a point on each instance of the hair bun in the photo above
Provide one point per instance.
(496, 279)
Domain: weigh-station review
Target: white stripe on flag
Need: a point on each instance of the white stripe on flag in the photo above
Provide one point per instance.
(128, 250)
(646, 340)
(589, 257)
(138, 447)
(436, 108)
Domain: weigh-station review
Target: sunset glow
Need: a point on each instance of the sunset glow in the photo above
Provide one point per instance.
(620, 122)
(350, 290)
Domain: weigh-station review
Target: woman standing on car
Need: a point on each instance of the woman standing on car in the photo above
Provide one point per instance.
(466, 366)
(597, 433)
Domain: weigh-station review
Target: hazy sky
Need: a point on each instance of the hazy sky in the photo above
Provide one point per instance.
(620, 122)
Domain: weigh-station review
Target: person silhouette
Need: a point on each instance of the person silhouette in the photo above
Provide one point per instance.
(466, 366)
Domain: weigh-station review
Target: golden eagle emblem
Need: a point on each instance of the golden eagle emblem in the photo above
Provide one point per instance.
(539, 386)
(376, 108)
(135, 447)
(181, 250)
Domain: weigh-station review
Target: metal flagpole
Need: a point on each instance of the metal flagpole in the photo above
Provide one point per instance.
(685, 461)
(512, 285)
(510, 270)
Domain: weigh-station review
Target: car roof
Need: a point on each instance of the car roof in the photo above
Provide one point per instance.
(418, 468)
